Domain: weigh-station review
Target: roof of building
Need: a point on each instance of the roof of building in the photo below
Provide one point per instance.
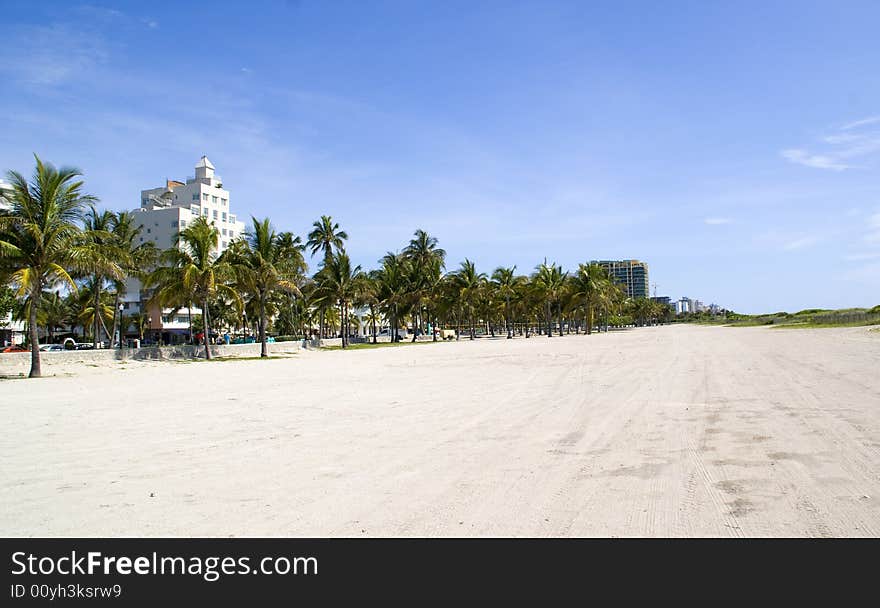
(204, 163)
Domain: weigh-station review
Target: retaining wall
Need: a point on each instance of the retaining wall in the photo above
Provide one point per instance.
(15, 363)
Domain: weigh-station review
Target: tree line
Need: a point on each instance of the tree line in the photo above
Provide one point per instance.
(54, 239)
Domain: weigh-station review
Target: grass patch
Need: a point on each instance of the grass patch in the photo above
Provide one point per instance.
(369, 345)
(255, 358)
(809, 325)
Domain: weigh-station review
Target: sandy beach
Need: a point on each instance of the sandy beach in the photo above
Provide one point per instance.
(664, 431)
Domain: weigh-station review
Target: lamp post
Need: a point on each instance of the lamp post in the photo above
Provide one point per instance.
(119, 331)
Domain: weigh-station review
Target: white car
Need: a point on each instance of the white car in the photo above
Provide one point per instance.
(53, 348)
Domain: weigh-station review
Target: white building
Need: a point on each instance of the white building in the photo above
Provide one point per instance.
(11, 332)
(163, 212)
(5, 192)
(684, 305)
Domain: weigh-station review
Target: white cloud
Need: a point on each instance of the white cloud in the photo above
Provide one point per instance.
(860, 257)
(802, 157)
(860, 123)
(873, 225)
(717, 221)
(800, 243)
(853, 140)
(51, 55)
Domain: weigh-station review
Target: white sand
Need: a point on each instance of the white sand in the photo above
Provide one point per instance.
(684, 431)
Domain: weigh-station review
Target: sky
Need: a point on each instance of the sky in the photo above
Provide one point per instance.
(733, 146)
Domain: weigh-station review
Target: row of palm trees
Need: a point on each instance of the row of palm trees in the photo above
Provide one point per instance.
(53, 237)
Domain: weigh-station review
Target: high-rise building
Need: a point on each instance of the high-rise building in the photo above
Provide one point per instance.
(163, 212)
(633, 274)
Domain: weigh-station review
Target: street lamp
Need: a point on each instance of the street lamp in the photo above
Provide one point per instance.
(119, 331)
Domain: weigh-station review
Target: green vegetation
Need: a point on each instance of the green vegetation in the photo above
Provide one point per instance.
(369, 345)
(804, 319)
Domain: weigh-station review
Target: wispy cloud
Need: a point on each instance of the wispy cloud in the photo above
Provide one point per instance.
(861, 257)
(801, 243)
(860, 123)
(817, 161)
(873, 225)
(717, 221)
(853, 140)
(50, 55)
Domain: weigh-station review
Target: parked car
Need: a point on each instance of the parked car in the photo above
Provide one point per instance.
(52, 348)
(14, 348)
(85, 346)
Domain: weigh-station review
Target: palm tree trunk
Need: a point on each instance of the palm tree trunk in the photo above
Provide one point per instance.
(104, 326)
(206, 318)
(36, 293)
(416, 320)
(264, 349)
(549, 321)
(343, 330)
(97, 307)
(559, 317)
(116, 321)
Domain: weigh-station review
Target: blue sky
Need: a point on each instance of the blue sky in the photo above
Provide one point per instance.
(733, 146)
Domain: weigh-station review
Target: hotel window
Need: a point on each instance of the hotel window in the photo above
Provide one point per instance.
(148, 231)
(224, 232)
(145, 202)
(215, 214)
(205, 197)
(224, 244)
(214, 199)
(224, 216)
(174, 224)
(183, 223)
(196, 196)
(223, 200)
(205, 212)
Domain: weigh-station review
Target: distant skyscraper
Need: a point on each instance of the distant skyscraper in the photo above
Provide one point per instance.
(633, 274)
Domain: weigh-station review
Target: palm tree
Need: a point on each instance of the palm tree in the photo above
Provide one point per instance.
(41, 241)
(265, 262)
(194, 267)
(392, 282)
(140, 322)
(550, 281)
(327, 237)
(427, 260)
(341, 283)
(587, 286)
(368, 295)
(135, 258)
(468, 284)
(96, 230)
(505, 281)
